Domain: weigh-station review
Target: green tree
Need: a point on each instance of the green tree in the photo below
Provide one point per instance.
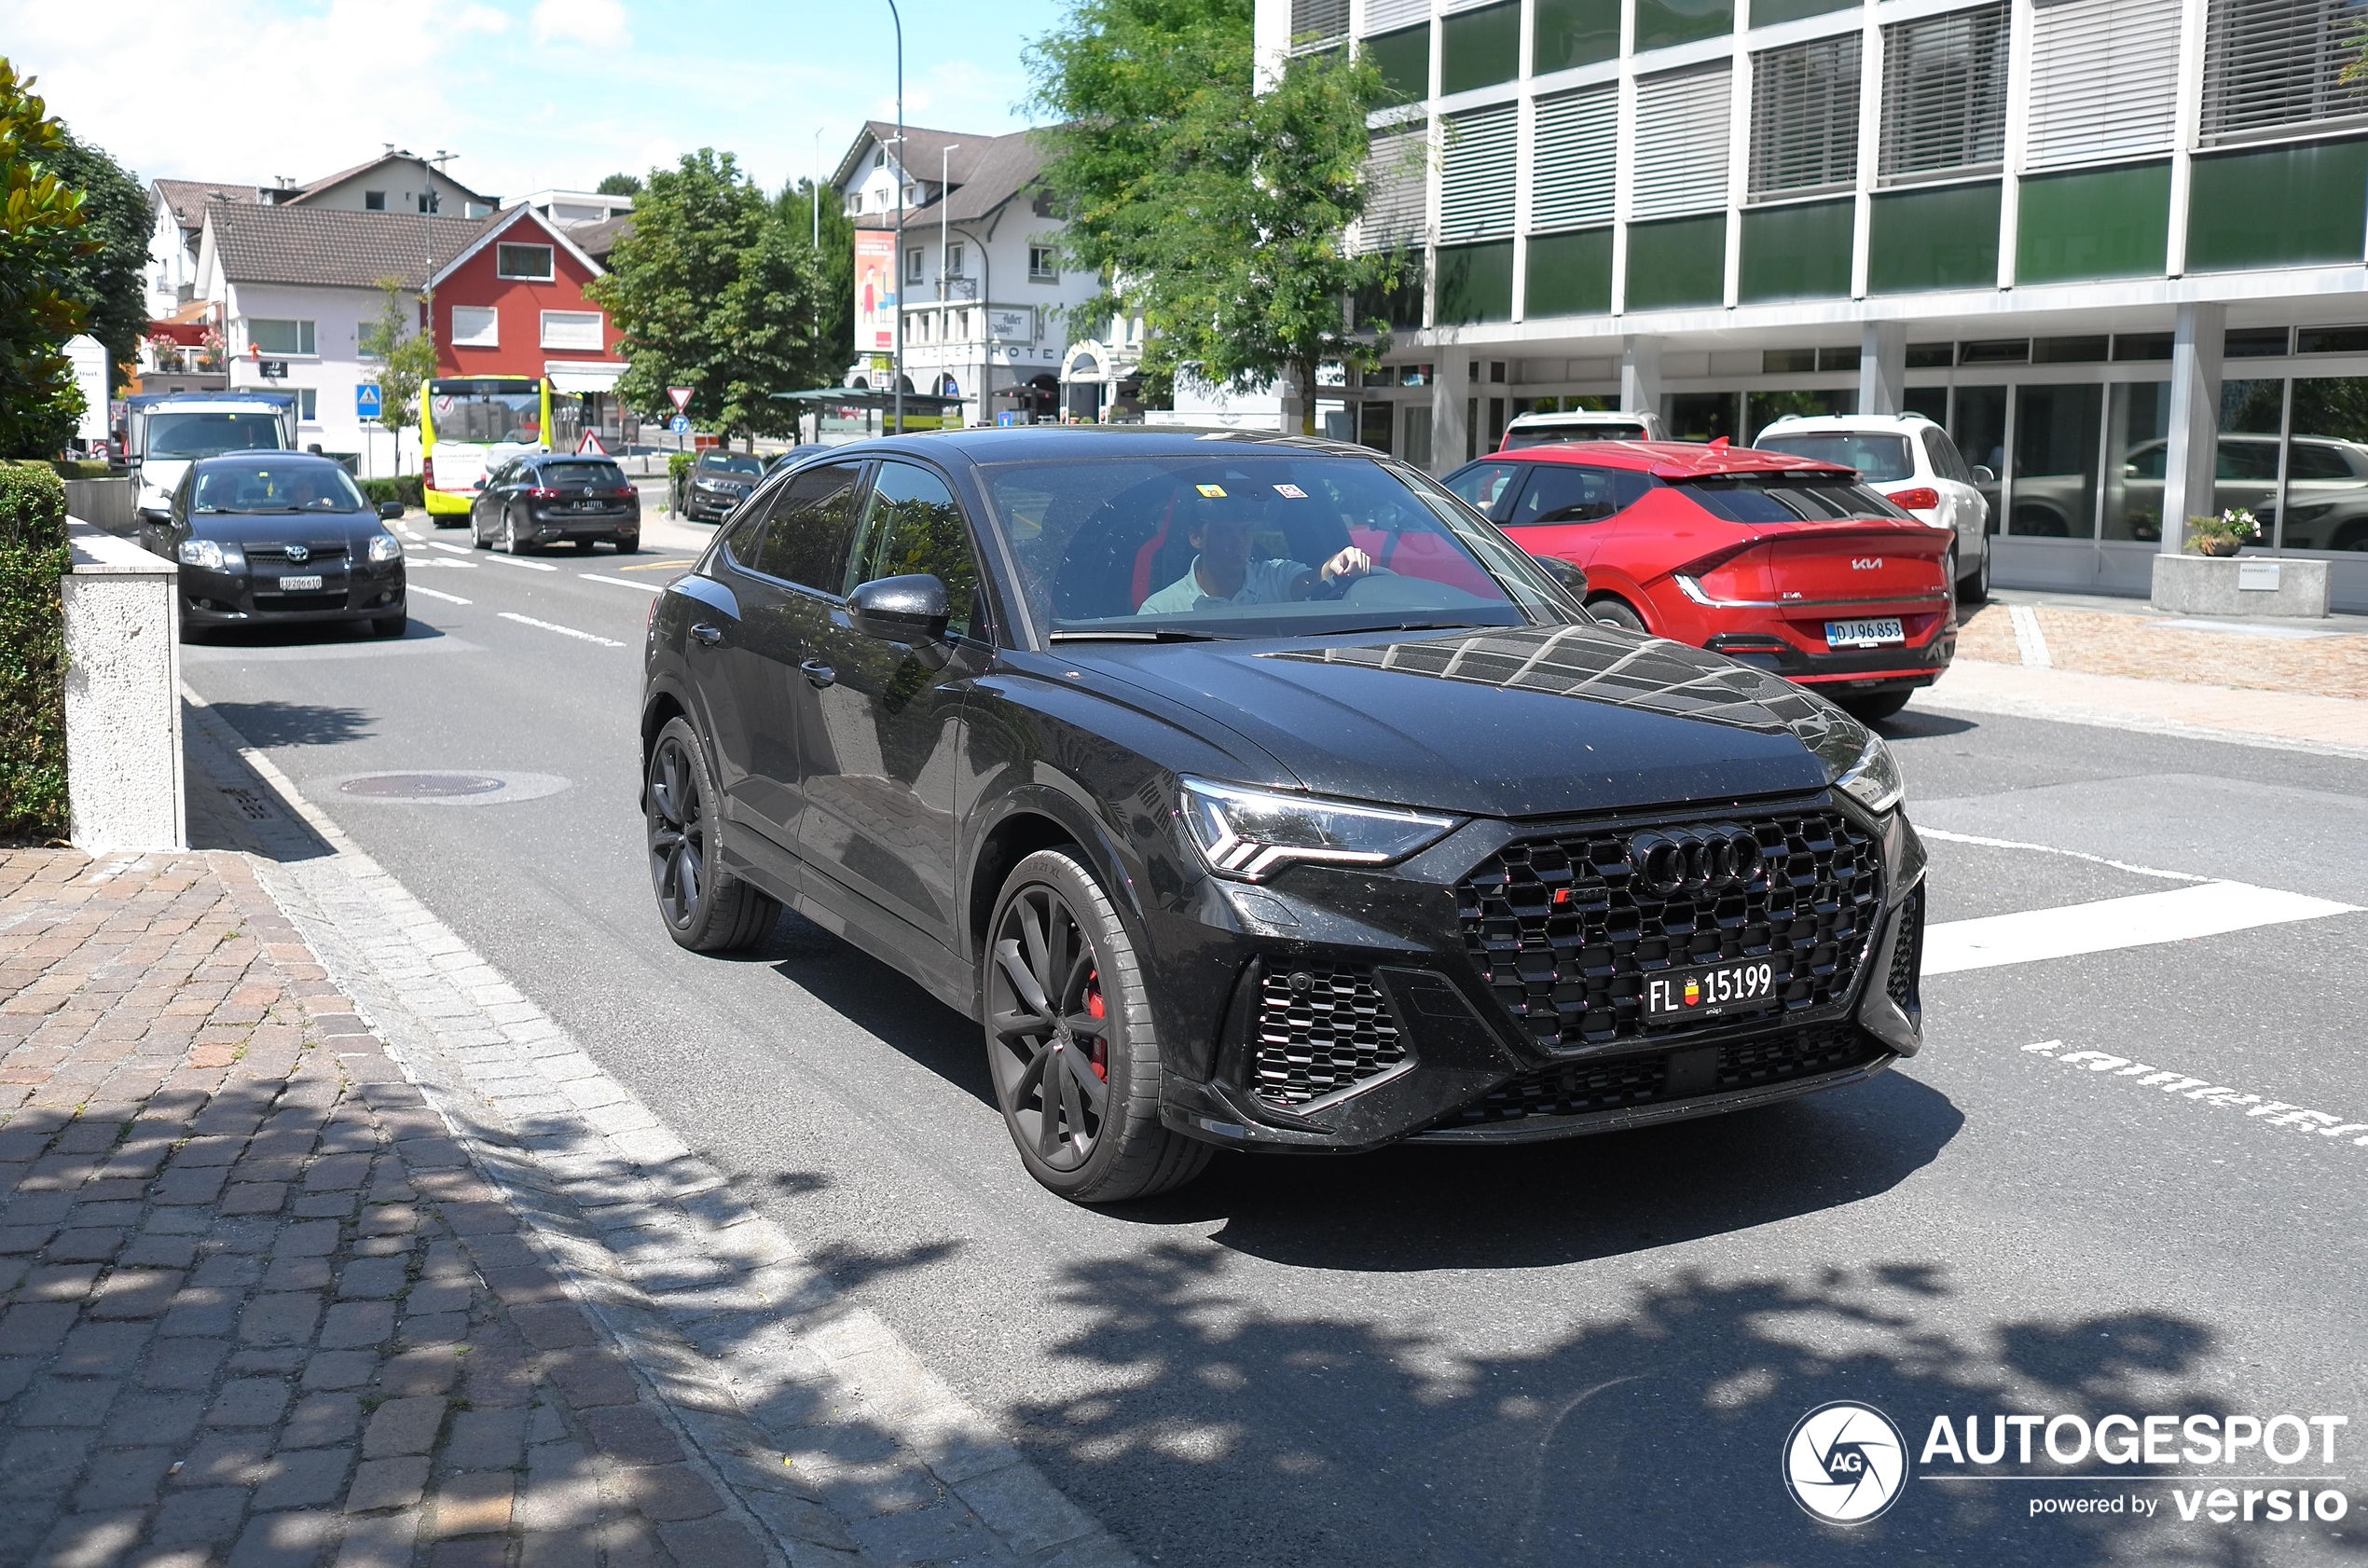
(1215, 210)
(109, 281)
(712, 292)
(406, 358)
(41, 243)
(619, 184)
(836, 263)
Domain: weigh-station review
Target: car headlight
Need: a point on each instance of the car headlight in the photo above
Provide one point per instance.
(1872, 779)
(203, 553)
(1252, 834)
(385, 546)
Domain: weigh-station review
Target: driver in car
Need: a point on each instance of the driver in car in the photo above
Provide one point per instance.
(1224, 572)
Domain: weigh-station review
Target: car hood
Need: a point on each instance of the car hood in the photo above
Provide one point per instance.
(281, 527)
(1515, 722)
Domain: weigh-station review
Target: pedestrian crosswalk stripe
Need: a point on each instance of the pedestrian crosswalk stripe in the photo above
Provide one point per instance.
(2110, 925)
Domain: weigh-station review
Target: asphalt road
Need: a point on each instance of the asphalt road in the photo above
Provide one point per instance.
(1589, 1352)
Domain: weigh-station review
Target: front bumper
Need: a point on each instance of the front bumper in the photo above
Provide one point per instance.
(1341, 1049)
(368, 591)
(711, 507)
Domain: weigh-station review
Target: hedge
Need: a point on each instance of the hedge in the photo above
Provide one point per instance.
(403, 488)
(32, 654)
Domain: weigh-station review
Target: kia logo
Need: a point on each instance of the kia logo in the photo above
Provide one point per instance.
(1866, 563)
(299, 553)
(1694, 861)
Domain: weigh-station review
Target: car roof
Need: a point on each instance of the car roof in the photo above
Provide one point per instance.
(1578, 417)
(1810, 424)
(1674, 459)
(276, 456)
(1043, 443)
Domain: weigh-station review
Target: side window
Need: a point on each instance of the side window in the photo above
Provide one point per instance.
(912, 524)
(1485, 486)
(1947, 462)
(1564, 493)
(809, 526)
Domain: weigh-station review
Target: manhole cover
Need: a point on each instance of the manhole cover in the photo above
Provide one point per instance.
(419, 786)
(446, 787)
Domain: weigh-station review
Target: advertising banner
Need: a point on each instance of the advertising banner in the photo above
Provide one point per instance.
(874, 289)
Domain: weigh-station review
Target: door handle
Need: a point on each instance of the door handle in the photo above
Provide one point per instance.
(818, 673)
(710, 635)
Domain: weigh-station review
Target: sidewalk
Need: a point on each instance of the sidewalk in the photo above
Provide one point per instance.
(2326, 658)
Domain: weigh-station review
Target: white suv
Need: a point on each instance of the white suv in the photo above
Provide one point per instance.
(1577, 425)
(1911, 461)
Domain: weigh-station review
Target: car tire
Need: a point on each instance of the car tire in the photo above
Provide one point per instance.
(1616, 612)
(390, 626)
(1059, 968)
(1873, 704)
(627, 544)
(705, 908)
(1976, 589)
(511, 543)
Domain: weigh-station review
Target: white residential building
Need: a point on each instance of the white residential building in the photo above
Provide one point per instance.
(573, 209)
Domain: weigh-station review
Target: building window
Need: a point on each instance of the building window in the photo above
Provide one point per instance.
(430, 202)
(2274, 63)
(1573, 170)
(573, 329)
(912, 265)
(278, 338)
(1569, 32)
(855, 202)
(953, 261)
(475, 326)
(1661, 24)
(530, 262)
(374, 202)
(2104, 81)
(308, 405)
(879, 160)
(1682, 120)
(1944, 95)
(1479, 47)
(1316, 22)
(1476, 188)
(1043, 266)
(1805, 118)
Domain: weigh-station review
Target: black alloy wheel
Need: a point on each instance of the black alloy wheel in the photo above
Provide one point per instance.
(706, 908)
(511, 543)
(629, 544)
(1976, 589)
(1069, 1040)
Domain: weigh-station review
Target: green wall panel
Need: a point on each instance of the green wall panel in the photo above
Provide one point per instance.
(2101, 223)
(2279, 207)
(1767, 13)
(1945, 239)
(1404, 59)
(1574, 32)
(1475, 283)
(1660, 23)
(1679, 261)
(1569, 275)
(1480, 48)
(1797, 253)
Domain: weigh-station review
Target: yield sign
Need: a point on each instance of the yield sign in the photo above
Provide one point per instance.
(681, 396)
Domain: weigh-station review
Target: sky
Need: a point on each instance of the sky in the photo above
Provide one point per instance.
(531, 94)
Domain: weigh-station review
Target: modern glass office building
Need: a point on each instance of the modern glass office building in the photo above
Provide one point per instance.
(2116, 246)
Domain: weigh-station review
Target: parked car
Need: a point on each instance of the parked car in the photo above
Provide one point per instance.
(270, 537)
(1784, 563)
(1544, 430)
(1913, 464)
(1253, 793)
(718, 482)
(546, 498)
(2326, 488)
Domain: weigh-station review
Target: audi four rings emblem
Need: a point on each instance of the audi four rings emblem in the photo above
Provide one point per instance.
(298, 553)
(1694, 860)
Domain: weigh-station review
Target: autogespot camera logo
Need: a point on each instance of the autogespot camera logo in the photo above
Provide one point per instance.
(1845, 1463)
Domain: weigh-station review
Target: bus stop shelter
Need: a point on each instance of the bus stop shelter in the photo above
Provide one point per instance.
(878, 407)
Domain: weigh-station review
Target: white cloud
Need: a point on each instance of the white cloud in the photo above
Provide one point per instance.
(595, 23)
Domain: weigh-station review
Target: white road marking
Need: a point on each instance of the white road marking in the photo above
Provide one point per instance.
(2030, 641)
(2109, 925)
(530, 566)
(440, 545)
(563, 631)
(621, 582)
(2051, 849)
(2204, 1091)
(439, 560)
(448, 599)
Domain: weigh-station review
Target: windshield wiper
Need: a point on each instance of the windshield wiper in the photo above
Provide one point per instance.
(1164, 633)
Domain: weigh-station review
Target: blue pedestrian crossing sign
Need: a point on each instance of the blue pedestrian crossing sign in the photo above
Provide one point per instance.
(365, 401)
(679, 424)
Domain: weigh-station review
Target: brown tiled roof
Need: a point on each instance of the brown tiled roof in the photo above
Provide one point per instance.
(922, 147)
(1002, 167)
(189, 199)
(331, 249)
(597, 240)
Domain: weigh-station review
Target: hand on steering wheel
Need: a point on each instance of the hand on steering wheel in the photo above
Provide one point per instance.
(1335, 576)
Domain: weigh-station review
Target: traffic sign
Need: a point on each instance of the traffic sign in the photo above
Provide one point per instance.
(681, 396)
(678, 424)
(365, 401)
(591, 445)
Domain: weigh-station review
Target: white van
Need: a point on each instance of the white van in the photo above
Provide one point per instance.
(1545, 430)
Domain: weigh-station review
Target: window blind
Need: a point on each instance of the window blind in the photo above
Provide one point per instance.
(1944, 95)
(1318, 21)
(1573, 164)
(1476, 193)
(1381, 16)
(1681, 126)
(2104, 80)
(1395, 186)
(2269, 65)
(1805, 117)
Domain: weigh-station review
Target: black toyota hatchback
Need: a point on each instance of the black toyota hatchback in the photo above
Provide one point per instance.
(267, 537)
(1253, 793)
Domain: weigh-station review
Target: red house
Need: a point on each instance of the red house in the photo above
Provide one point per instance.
(511, 304)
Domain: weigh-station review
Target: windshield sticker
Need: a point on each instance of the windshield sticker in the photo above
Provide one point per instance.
(1290, 492)
(1214, 492)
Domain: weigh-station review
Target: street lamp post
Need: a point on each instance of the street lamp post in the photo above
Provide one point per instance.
(944, 283)
(896, 267)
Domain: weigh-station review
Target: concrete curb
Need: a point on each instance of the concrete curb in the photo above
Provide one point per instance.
(2273, 721)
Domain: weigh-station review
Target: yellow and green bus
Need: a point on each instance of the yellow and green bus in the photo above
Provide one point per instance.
(469, 425)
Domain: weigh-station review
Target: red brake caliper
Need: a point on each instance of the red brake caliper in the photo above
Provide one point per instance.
(1094, 1010)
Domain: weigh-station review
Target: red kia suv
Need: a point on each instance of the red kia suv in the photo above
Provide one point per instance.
(1779, 562)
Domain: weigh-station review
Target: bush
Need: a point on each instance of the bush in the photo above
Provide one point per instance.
(679, 463)
(403, 488)
(33, 654)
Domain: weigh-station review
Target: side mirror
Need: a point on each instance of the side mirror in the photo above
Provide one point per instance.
(480, 483)
(1567, 573)
(390, 510)
(900, 609)
(1982, 475)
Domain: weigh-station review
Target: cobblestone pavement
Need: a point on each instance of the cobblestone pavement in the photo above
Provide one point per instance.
(2154, 647)
(322, 1247)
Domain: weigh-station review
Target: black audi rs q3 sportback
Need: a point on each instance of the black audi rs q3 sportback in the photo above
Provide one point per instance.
(1253, 793)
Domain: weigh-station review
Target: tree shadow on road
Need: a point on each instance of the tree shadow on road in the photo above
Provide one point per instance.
(273, 723)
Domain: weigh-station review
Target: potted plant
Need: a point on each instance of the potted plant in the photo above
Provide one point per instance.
(2223, 535)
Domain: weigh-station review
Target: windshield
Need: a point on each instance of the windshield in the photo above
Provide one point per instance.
(1246, 544)
(596, 475)
(1785, 498)
(713, 464)
(1882, 459)
(206, 435)
(270, 486)
(1521, 436)
(490, 417)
